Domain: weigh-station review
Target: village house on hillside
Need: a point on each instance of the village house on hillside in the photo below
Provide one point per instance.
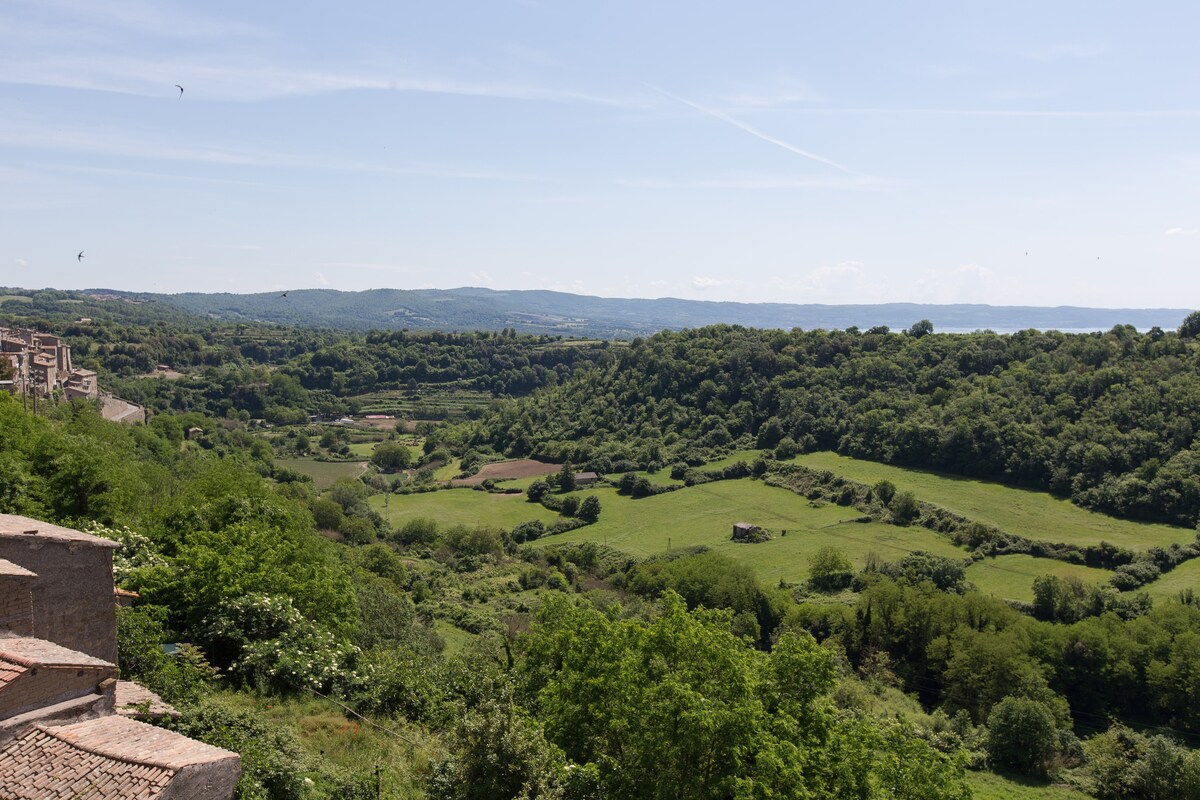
(41, 364)
(66, 726)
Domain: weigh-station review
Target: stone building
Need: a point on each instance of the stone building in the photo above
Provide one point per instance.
(41, 363)
(63, 730)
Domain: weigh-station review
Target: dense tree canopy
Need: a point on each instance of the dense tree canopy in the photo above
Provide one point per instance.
(1106, 419)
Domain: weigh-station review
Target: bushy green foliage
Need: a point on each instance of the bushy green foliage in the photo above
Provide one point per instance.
(829, 569)
(904, 507)
(182, 677)
(1028, 408)
(392, 457)
(678, 707)
(272, 763)
(946, 574)
(1022, 736)
(501, 753)
(1127, 765)
(711, 580)
(589, 509)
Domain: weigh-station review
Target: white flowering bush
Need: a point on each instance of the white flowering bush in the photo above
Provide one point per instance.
(136, 555)
(268, 643)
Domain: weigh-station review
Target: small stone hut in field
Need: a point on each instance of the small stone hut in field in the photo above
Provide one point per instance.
(749, 533)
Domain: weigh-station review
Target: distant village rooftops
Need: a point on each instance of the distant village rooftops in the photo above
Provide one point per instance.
(14, 527)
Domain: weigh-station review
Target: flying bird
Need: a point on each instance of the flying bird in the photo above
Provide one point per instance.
(80, 256)
(180, 88)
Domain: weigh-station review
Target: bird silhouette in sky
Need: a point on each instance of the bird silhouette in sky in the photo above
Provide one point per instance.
(180, 88)
(80, 256)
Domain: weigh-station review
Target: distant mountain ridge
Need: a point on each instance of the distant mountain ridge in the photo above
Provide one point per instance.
(539, 311)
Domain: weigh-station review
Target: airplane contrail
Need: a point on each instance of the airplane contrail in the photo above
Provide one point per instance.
(766, 137)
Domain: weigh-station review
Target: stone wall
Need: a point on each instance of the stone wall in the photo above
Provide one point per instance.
(41, 687)
(16, 604)
(72, 593)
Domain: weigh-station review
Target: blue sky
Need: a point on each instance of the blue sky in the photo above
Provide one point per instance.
(1014, 153)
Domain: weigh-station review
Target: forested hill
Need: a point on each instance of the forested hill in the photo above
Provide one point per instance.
(1109, 419)
(569, 314)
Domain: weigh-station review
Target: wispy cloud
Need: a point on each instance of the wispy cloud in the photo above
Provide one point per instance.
(755, 132)
(36, 135)
(249, 78)
(1182, 231)
(832, 283)
(1148, 113)
(704, 282)
(966, 283)
(761, 182)
(136, 17)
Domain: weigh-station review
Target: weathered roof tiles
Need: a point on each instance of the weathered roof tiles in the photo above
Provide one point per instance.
(42, 766)
(130, 740)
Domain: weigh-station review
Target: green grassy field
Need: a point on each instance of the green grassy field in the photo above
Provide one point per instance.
(738, 455)
(1011, 577)
(704, 515)
(461, 507)
(363, 450)
(1185, 576)
(14, 298)
(323, 473)
(431, 401)
(1036, 515)
(989, 786)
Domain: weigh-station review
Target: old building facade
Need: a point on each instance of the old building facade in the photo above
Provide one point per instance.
(63, 733)
(41, 364)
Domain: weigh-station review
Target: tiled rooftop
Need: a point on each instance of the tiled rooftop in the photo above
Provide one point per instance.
(10, 671)
(137, 742)
(30, 652)
(9, 569)
(41, 766)
(12, 526)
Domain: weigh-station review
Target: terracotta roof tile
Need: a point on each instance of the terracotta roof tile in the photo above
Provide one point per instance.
(12, 526)
(42, 766)
(130, 740)
(9, 672)
(31, 652)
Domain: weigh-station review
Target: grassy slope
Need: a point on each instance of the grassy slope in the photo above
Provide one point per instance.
(323, 728)
(461, 507)
(323, 473)
(1185, 576)
(704, 515)
(1036, 515)
(1011, 577)
(988, 786)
